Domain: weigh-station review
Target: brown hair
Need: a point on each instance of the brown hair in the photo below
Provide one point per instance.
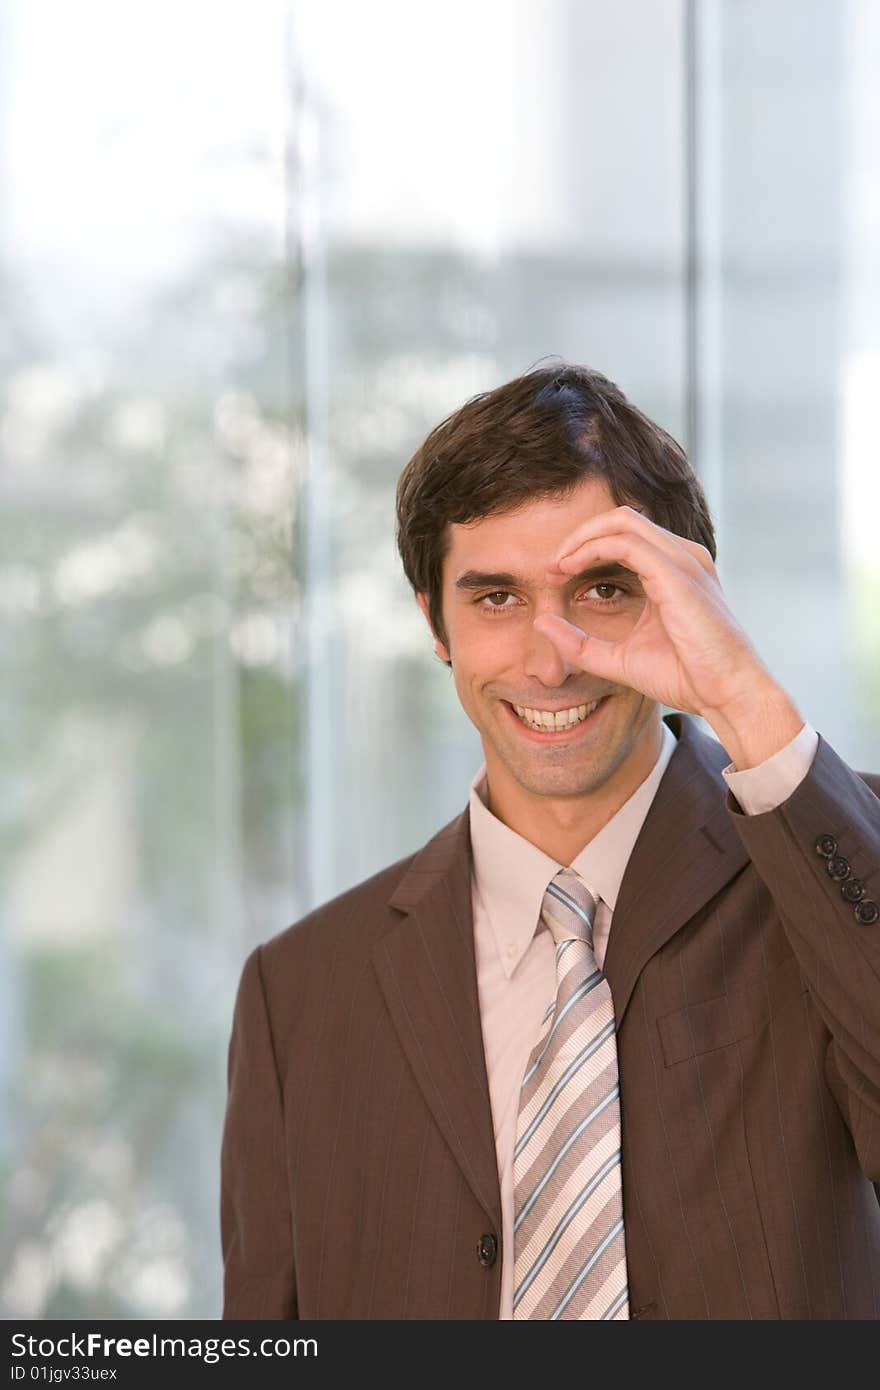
(539, 435)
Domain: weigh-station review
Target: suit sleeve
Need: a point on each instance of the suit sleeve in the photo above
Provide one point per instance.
(259, 1277)
(766, 786)
(819, 855)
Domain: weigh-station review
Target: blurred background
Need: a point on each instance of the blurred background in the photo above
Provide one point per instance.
(250, 253)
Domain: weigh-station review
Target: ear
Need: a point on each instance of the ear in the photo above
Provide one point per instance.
(439, 648)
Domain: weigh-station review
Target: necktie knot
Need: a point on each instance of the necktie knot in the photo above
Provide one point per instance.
(569, 908)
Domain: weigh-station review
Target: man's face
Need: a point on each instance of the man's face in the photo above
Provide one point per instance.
(494, 585)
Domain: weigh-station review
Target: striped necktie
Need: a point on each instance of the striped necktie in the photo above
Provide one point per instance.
(570, 1259)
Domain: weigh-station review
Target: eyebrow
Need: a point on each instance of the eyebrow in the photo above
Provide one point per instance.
(480, 579)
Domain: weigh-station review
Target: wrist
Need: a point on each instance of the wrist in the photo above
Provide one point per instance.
(756, 726)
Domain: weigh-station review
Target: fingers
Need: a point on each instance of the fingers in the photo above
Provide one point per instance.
(629, 522)
(591, 654)
(664, 573)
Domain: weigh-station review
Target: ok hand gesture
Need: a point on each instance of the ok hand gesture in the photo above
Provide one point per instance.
(686, 650)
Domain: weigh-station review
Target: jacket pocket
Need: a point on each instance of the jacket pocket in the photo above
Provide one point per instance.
(710, 1024)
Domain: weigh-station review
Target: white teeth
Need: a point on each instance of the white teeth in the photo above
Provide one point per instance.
(547, 719)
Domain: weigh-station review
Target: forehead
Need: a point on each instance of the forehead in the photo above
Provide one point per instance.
(526, 538)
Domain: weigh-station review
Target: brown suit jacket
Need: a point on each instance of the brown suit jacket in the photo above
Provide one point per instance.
(359, 1169)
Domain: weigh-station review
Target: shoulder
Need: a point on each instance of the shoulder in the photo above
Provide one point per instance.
(322, 956)
(873, 781)
(702, 748)
(354, 919)
(325, 956)
(350, 914)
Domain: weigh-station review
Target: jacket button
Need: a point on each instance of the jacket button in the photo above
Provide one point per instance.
(826, 845)
(852, 890)
(867, 912)
(487, 1249)
(838, 867)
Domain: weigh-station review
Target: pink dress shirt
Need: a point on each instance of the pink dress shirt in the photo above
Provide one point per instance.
(516, 970)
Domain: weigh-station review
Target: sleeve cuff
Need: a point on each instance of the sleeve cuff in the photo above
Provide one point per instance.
(763, 788)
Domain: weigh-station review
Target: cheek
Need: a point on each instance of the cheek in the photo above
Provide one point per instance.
(485, 641)
(612, 626)
(481, 663)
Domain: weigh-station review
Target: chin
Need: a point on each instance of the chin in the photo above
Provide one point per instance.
(559, 781)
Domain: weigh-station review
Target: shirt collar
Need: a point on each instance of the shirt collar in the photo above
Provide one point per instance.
(511, 874)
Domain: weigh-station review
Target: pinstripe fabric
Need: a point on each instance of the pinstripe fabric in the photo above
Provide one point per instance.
(570, 1259)
(359, 1167)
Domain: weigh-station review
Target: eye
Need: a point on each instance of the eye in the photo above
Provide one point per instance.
(606, 591)
(493, 607)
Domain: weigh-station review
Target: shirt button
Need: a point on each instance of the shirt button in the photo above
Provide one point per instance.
(511, 951)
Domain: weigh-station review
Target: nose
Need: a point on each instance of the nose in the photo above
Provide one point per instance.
(544, 661)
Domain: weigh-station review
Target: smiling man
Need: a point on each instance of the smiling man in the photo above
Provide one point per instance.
(608, 1046)
(556, 786)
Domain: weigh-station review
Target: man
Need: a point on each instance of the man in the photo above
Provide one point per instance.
(607, 1046)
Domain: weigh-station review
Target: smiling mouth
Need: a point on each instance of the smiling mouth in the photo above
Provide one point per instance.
(554, 721)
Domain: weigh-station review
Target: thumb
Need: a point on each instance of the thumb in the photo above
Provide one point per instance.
(579, 649)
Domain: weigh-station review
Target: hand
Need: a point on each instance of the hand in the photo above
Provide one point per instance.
(686, 650)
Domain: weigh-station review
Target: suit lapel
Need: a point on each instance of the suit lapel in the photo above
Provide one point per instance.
(427, 972)
(686, 852)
